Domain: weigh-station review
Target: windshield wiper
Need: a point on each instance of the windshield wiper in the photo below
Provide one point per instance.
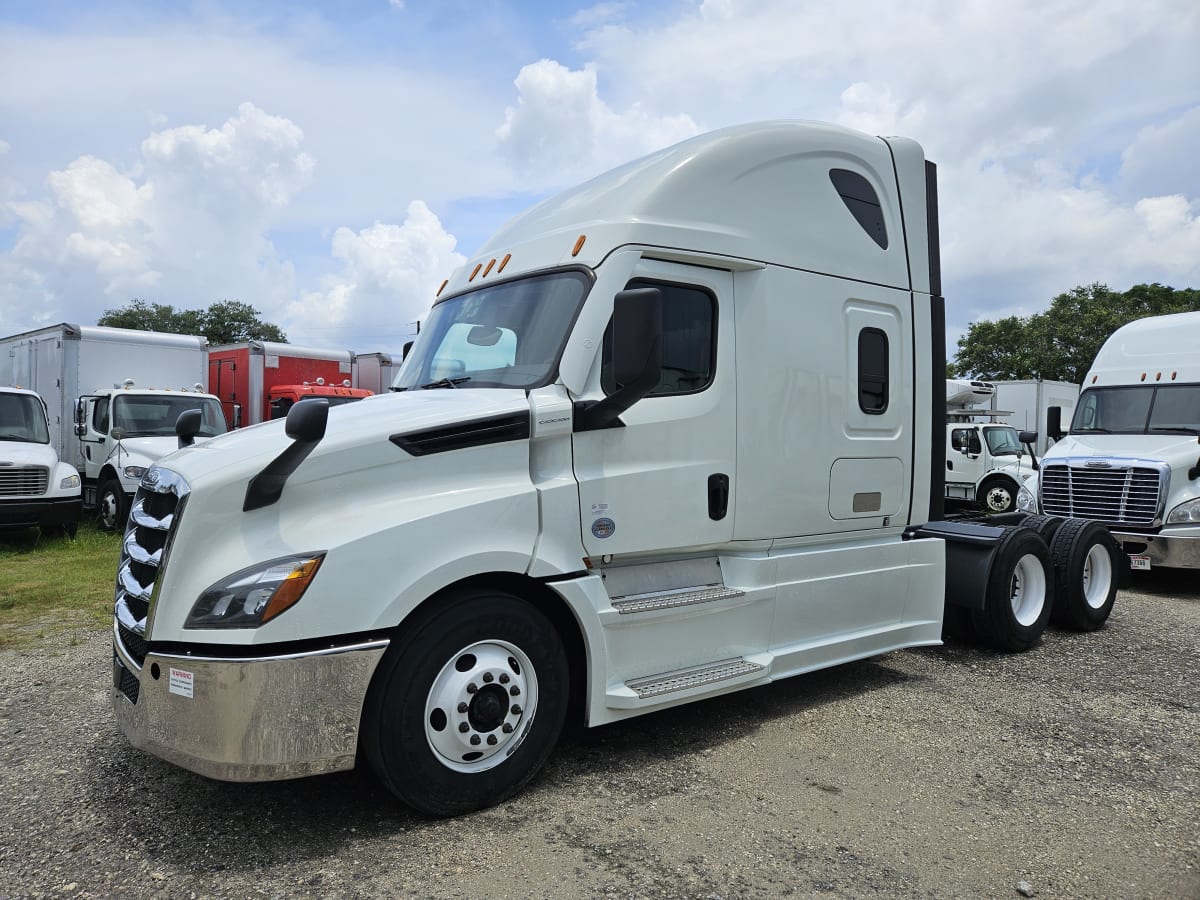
(19, 439)
(446, 382)
(1175, 429)
(1090, 431)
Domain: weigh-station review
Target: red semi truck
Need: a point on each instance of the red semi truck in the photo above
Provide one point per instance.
(259, 380)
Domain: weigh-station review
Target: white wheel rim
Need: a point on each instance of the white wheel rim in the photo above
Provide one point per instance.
(1097, 576)
(108, 510)
(480, 706)
(999, 499)
(1027, 591)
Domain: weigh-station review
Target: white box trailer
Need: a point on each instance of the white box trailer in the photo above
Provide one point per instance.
(113, 396)
(1027, 403)
(375, 371)
(677, 432)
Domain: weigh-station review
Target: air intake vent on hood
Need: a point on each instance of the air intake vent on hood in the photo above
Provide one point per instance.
(460, 435)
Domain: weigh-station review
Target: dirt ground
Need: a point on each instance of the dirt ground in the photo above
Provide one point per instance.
(1069, 771)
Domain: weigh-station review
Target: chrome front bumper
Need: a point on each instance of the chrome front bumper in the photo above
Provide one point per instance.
(261, 719)
(1172, 548)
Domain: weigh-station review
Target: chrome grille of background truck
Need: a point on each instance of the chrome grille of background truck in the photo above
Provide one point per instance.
(1111, 491)
(23, 481)
(156, 508)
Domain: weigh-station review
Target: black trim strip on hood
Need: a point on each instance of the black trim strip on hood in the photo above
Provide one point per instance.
(461, 435)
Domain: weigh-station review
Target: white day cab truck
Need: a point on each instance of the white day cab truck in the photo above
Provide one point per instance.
(675, 433)
(986, 460)
(114, 396)
(37, 489)
(1131, 457)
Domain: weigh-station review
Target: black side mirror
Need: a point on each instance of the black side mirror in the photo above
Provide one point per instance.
(1054, 423)
(187, 426)
(237, 415)
(305, 425)
(1029, 439)
(404, 352)
(307, 419)
(637, 356)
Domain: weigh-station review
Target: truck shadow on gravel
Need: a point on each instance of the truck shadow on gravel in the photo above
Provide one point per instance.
(150, 806)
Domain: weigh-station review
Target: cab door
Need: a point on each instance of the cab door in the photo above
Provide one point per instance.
(665, 482)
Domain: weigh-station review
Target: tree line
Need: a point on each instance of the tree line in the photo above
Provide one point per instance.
(225, 322)
(1061, 343)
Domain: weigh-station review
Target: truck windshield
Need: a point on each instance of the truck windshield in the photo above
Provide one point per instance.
(1003, 441)
(509, 335)
(22, 419)
(1143, 409)
(141, 415)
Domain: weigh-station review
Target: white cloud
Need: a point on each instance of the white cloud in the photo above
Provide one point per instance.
(560, 130)
(388, 279)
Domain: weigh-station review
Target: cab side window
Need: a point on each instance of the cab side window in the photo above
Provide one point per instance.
(689, 340)
(100, 415)
(965, 439)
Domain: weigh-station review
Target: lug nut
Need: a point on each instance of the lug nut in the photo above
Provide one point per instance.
(491, 740)
(487, 676)
(462, 707)
(471, 688)
(504, 678)
(464, 727)
(475, 740)
(507, 729)
(515, 691)
(516, 709)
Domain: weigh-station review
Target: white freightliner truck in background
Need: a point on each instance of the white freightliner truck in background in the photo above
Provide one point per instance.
(674, 433)
(37, 489)
(1131, 456)
(986, 460)
(114, 396)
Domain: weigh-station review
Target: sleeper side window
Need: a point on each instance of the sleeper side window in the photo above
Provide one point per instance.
(689, 340)
(872, 371)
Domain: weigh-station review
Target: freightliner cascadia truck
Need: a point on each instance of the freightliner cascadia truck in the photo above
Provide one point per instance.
(677, 432)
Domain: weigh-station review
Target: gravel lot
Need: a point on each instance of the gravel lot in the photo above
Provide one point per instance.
(950, 772)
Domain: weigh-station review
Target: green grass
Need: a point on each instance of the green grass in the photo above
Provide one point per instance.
(54, 584)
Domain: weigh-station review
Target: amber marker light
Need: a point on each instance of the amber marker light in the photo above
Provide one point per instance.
(491, 263)
(475, 271)
(442, 288)
(504, 262)
(1143, 376)
(579, 245)
(292, 589)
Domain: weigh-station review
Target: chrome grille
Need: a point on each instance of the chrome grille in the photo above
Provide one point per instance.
(156, 509)
(23, 481)
(1117, 493)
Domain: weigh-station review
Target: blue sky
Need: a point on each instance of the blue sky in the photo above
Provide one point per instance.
(332, 163)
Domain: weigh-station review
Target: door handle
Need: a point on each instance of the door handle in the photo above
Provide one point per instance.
(718, 496)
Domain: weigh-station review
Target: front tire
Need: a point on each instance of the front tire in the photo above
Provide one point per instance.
(467, 705)
(997, 495)
(112, 510)
(1087, 565)
(1020, 593)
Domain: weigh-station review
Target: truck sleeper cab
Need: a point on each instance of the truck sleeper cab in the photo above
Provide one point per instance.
(672, 434)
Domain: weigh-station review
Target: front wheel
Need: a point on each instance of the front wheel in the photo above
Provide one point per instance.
(1020, 593)
(467, 705)
(998, 495)
(111, 508)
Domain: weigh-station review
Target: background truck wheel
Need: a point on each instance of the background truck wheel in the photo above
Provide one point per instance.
(467, 705)
(1020, 593)
(1046, 526)
(1087, 566)
(111, 508)
(997, 495)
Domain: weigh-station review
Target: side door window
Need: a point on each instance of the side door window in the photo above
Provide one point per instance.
(100, 415)
(689, 340)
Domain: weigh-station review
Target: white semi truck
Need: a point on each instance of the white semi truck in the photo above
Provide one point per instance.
(1131, 456)
(986, 460)
(674, 433)
(37, 489)
(114, 396)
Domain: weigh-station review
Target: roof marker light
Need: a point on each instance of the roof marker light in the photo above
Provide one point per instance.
(489, 267)
(442, 288)
(1158, 376)
(475, 271)
(579, 245)
(1143, 376)
(1094, 377)
(504, 262)
(1173, 374)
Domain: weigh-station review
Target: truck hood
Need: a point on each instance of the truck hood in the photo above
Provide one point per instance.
(358, 433)
(151, 448)
(19, 453)
(1173, 449)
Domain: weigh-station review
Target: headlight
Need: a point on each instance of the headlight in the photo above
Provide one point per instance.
(1026, 500)
(71, 481)
(256, 595)
(1186, 513)
(135, 472)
